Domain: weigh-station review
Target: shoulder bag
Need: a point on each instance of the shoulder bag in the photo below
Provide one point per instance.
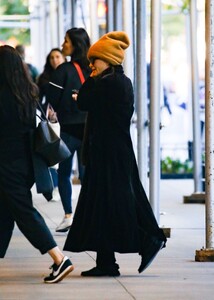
(48, 144)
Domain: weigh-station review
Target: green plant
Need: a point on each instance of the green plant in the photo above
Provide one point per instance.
(15, 8)
(171, 166)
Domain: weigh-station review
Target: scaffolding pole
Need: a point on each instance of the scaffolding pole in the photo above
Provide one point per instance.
(195, 100)
(94, 22)
(207, 254)
(110, 15)
(118, 8)
(128, 64)
(154, 170)
(141, 92)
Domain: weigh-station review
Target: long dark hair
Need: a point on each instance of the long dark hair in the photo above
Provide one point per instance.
(14, 74)
(81, 42)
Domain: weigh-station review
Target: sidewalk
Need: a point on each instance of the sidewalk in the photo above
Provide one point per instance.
(174, 274)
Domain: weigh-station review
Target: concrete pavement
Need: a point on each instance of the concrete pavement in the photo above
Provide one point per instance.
(174, 274)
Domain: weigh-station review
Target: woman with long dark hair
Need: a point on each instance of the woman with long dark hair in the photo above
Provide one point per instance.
(71, 119)
(18, 102)
(53, 60)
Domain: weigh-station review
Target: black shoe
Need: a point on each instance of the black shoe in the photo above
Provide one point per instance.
(97, 272)
(59, 272)
(149, 253)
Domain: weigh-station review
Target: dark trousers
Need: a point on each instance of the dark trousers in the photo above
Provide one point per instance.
(65, 170)
(106, 261)
(16, 206)
(54, 176)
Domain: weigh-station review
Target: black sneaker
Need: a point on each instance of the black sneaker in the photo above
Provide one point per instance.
(59, 272)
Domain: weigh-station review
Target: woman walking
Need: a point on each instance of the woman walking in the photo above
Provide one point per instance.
(53, 60)
(113, 213)
(71, 119)
(18, 102)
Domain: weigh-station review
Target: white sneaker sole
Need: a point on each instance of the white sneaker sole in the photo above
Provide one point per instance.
(63, 229)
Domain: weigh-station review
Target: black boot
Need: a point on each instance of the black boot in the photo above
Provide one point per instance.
(106, 265)
(151, 250)
(98, 273)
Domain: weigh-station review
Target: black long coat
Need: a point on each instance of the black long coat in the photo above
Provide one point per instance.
(113, 212)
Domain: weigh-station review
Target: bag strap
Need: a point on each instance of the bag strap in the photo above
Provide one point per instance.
(43, 113)
(79, 71)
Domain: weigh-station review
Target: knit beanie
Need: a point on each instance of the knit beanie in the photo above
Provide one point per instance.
(110, 47)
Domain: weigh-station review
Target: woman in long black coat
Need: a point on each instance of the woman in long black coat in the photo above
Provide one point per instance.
(113, 213)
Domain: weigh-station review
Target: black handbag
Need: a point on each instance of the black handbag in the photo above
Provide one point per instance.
(48, 144)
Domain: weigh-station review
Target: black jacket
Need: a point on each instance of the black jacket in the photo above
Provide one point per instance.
(59, 94)
(113, 212)
(18, 163)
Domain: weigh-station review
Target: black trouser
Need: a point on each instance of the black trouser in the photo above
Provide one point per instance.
(106, 261)
(16, 205)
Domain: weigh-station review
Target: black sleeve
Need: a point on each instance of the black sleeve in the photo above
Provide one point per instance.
(86, 96)
(56, 87)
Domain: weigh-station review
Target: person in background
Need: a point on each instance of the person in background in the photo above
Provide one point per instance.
(113, 213)
(53, 60)
(18, 102)
(71, 119)
(31, 68)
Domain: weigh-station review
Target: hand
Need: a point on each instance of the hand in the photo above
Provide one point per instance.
(52, 116)
(74, 96)
(93, 73)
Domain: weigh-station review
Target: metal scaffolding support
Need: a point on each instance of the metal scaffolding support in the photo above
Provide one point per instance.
(209, 116)
(73, 13)
(154, 170)
(208, 253)
(128, 28)
(94, 22)
(141, 94)
(60, 23)
(110, 15)
(197, 155)
(118, 8)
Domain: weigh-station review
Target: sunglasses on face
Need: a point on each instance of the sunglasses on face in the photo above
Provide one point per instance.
(92, 60)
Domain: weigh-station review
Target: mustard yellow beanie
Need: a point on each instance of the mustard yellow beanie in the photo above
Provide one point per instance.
(110, 47)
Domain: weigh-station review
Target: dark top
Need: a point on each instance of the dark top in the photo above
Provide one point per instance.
(14, 134)
(33, 72)
(43, 84)
(19, 165)
(59, 95)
